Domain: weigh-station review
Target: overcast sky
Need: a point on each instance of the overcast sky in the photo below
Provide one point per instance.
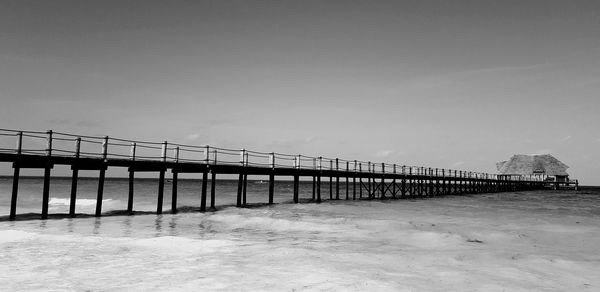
(454, 84)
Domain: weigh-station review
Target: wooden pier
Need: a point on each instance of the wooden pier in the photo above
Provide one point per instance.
(359, 179)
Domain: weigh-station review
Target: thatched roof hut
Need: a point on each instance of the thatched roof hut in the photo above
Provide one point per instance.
(532, 165)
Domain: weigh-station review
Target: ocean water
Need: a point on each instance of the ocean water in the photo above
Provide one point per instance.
(145, 194)
(522, 241)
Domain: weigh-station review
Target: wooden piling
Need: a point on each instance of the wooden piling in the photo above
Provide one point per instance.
(161, 190)
(46, 189)
(360, 183)
(46, 192)
(174, 192)
(296, 187)
(213, 182)
(382, 190)
(271, 187)
(318, 188)
(100, 193)
(15, 190)
(131, 182)
(337, 179)
(131, 186)
(161, 180)
(73, 198)
(239, 190)
(101, 178)
(394, 182)
(314, 187)
(15, 182)
(74, 178)
(245, 189)
(204, 191)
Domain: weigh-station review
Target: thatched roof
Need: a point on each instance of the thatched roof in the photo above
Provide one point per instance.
(532, 164)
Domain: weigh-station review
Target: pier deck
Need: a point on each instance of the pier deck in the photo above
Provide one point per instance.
(365, 179)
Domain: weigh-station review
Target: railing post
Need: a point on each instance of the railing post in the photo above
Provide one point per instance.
(77, 147)
(206, 154)
(272, 160)
(105, 148)
(320, 163)
(163, 154)
(215, 157)
(19, 148)
(49, 143)
(133, 147)
(242, 157)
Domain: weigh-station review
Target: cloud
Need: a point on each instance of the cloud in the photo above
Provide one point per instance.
(77, 123)
(291, 143)
(192, 137)
(383, 153)
(457, 164)
(567, 138)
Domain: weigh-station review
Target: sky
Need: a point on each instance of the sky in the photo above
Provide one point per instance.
(452, 84)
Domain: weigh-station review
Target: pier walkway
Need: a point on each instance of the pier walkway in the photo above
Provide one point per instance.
(362, 179)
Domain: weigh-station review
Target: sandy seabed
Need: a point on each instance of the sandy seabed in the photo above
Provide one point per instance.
(528, 241)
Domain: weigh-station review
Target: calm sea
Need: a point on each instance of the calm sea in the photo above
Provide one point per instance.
(145, 194)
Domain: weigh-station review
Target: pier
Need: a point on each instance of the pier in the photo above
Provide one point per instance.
(359, 179)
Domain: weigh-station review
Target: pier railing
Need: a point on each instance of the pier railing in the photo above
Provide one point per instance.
(44, 150)
(60, 144)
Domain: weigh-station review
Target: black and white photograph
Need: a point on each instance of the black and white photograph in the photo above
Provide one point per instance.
(299, 145)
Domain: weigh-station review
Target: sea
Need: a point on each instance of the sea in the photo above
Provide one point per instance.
(514, 241)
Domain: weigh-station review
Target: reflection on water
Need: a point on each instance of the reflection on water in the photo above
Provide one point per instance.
(158, 225)
(97, 223)
(127, 226)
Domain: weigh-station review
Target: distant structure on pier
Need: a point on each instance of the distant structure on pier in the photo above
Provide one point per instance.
(545, 166)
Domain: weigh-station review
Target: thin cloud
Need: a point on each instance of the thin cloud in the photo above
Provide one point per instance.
(192, 137)
(457, 164)
(384, 153)
(502, 69)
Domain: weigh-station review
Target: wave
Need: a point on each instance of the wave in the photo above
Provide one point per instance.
(78, 202)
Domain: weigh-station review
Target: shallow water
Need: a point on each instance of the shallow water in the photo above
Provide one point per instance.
(524, 241)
